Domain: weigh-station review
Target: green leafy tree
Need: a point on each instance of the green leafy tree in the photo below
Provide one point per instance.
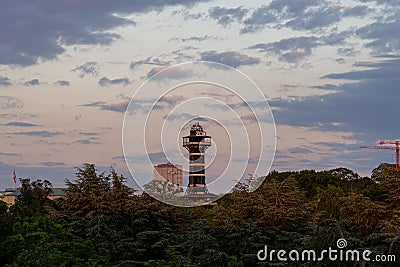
(6, 221)
(95, 194)
(39, 241)
(33, 198)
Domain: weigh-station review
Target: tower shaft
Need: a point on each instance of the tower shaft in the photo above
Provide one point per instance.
(197, 143)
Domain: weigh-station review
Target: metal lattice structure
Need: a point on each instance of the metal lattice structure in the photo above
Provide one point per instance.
(391, 145)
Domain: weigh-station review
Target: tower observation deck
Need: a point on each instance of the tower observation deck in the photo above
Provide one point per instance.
(197, 143)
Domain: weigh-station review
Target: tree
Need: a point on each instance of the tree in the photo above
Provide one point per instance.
(95, 194)
(5, 221)
(38, 241)
(33, 198)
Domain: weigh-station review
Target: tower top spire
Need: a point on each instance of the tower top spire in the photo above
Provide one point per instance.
(197, 129)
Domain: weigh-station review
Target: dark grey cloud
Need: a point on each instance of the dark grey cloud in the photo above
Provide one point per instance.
(187, 15)
(382, 36)
(300, 15)
(299, 150)
(278, 10)
(315, 18)
(116, 107)
(48, 26)
(32, 82)
(118, 81)
(88, 141)
(290, 49)
(327, 87)
(225, 16)
(9, 116)
(234, 59)
(5, 81)
(367, 104)
(88, 68)
(88, 133)
(62, 83)
(259, 19)
(42, 133)
(52, 164)
(9, 102)
(50, 143)
(9, 154)
(295, 49)
(193, 38)
(21, 124)
(171, 99)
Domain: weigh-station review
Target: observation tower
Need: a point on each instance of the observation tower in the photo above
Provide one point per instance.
(197, 143)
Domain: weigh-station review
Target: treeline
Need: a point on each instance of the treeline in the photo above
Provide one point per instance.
(101, 222)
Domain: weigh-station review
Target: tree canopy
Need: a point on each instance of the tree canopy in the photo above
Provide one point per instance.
(102, 222)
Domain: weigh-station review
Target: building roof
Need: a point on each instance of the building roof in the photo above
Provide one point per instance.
(56, 192)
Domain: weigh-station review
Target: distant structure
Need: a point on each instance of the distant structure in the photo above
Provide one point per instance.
(197, 143)
(10, 195)
(391, 145)
(169, 172)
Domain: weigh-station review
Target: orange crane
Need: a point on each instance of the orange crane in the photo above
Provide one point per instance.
(392, 145)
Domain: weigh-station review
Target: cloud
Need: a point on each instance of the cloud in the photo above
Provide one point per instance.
(165, 73)
(88, 133)
(32, 82)
(258, 20)
(193, 38)
(383, 36)
(9, 154)
(62, 83)
(225, 16)
(184, 117)
(234, 59)
(88, 141)
(299, 150)
(42, 133)
(9, 102)
(149, 61)
(5, 81)
(119, 81)
(294, 49)
(357, 106)
(158, 157)
(20, 124)
(300, 15)
(52, 164)
(116, 107)
(88, 68)
(276, 11)
(8, 116)
(47, 27)
(50, 143)
(348, 51)
(171, 99)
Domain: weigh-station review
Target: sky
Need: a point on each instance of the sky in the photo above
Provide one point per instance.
(68, 70)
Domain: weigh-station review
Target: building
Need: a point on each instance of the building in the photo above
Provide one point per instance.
(9, 195)
(169, 172)
(197, 143)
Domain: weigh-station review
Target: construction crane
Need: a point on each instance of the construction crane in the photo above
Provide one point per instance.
(392, 145)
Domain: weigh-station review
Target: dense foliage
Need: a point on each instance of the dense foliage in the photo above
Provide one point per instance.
(101, 222)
